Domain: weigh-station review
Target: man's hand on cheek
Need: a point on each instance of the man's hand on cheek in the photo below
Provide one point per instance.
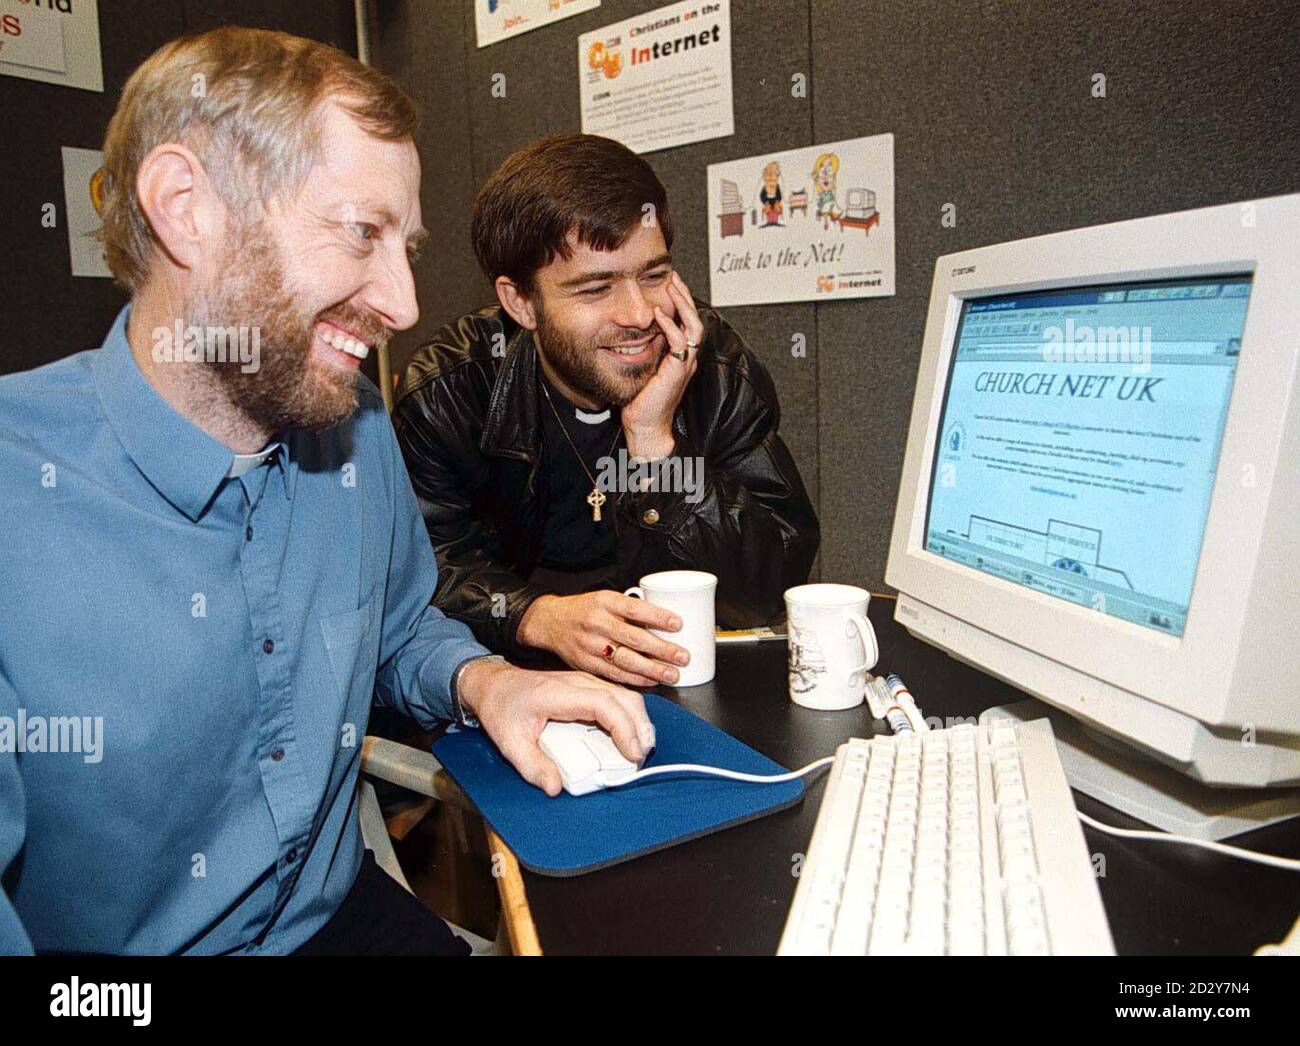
(648, 419)
(513, 706)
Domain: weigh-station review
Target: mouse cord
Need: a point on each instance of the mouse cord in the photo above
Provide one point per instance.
(735, 775)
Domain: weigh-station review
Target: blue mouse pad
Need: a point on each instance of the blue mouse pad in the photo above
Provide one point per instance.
(571, 835)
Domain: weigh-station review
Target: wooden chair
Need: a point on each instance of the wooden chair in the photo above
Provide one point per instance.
(418, 771)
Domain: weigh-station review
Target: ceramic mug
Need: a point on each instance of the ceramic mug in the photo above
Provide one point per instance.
(689, 594)
(832, 646)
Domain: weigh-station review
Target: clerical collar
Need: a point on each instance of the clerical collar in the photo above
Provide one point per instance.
(584, 416)
(591, 419)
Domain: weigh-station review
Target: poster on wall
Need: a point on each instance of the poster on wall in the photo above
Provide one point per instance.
(82, 186)
(660, 79)
(497, 20)
(810, 224)
(54, 41)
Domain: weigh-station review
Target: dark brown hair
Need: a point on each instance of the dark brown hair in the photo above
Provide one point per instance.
(561, 184)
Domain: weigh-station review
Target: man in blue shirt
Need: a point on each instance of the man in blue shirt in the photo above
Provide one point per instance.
(213, 559)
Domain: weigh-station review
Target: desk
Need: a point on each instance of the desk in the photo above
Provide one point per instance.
(728, 893)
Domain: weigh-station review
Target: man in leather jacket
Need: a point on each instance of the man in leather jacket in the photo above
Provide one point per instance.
(596, 426)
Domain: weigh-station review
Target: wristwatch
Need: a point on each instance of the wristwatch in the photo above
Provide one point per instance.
(463, 717)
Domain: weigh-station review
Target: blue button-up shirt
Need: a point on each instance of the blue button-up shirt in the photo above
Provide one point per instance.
(187, 663)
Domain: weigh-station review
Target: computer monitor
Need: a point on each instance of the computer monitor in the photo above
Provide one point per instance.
(1100, 499)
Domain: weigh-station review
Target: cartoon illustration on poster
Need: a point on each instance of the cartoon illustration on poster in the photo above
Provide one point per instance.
(83, 199)
(803, 225)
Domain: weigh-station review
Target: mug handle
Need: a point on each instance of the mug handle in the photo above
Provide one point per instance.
(635, 591)
(870, 649)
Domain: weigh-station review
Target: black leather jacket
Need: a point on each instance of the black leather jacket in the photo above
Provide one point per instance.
(468, 424)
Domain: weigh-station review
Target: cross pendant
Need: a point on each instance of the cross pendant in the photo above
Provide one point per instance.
(595, 499)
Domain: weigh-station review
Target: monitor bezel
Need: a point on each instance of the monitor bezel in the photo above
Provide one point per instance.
(1191, 673)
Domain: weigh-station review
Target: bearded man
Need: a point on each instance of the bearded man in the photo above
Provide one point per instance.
(216, 558)
(596, 426)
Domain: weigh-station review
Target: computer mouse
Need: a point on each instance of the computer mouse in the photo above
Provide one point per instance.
(587, 757)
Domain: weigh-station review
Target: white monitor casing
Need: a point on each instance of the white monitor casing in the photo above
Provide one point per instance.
(1222, 702)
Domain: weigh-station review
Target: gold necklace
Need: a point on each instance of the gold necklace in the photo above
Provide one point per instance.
(596, 498)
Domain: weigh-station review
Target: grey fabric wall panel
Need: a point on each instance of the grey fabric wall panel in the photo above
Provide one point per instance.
(991, 107)
(423, 44)
(541, 97)
(333, 21)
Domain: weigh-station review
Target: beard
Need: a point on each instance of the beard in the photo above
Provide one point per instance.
(577, 360)
(286, 390)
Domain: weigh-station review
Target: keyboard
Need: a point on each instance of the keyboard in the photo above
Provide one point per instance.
(962, 841)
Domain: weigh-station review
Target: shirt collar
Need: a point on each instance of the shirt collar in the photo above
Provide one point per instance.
(184, 463)
(567, 406)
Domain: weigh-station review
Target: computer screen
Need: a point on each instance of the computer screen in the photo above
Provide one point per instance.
(1079, 440)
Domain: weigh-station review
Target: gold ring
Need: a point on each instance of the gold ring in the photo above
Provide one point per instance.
(678, 354)
(610, 650)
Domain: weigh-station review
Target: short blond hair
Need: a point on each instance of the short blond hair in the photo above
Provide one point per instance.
(246, 102)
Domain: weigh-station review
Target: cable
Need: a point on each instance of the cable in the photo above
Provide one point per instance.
(717, 771)
(1290, 864)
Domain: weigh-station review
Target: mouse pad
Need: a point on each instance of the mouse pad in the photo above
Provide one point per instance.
(571, 835)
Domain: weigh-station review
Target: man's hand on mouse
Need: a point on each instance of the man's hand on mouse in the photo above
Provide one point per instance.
(513, 706)
(606, 633)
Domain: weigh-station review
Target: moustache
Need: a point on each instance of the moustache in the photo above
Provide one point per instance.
(364, 326)
(633, 338)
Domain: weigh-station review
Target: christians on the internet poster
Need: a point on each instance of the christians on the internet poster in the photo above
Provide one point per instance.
(660, 79)
(809, 224)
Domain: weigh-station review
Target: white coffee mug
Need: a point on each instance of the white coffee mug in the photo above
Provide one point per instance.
(832, 645)
(688, 594)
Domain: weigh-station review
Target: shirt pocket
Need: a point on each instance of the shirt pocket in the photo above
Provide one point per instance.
(350, 642)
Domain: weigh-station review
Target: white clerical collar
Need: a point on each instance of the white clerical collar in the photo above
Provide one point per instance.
(247, 462)
(591, 419)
